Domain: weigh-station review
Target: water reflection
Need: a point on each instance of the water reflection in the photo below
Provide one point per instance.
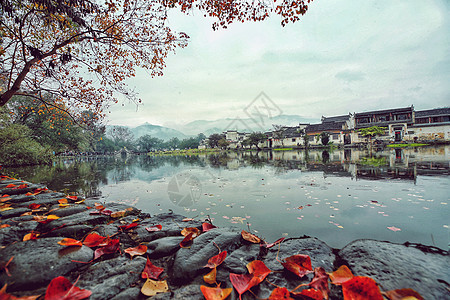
(359, 193)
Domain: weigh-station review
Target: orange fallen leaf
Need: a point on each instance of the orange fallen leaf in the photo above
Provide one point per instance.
(243, 282)
(187, 230)
(4, 226)
(73, 198)
(320, 282)
(405, 294)
(70, 242)
(52, 217)
(5, 199)
(30, 236)
(250, 237)
(118, 214)
(93, 239)
(210, 278)
(280, 293)
(361, 287)
(299, 264)
(11, 185)
(216, 260)
(63, 201)
(341, 275)
(5, 267)
(216, 293)
(311, 294)
(138, 250)
(152, 287)
(187, 219)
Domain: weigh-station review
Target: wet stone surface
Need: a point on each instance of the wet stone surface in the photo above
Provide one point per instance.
(117, 276)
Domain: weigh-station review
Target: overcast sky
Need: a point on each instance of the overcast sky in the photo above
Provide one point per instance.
(343, 56)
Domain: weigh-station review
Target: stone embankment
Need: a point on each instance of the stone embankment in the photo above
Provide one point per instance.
(37, 261)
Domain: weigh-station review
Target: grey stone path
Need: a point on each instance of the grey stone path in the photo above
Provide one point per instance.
(116, 276)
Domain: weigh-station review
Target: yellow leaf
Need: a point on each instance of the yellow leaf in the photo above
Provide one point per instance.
(6, 208)
(152, 287)
(210, 278)
(79, 202)
(52, 217)
(64, 204)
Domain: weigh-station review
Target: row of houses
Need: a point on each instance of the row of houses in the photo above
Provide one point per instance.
(402, 125)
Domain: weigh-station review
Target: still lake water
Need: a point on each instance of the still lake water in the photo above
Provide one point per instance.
(397, 195)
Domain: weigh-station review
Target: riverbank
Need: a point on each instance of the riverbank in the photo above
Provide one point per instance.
(39, 216)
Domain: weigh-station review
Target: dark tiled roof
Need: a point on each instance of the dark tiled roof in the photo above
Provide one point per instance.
(341, 119)
(433, 112)
(324, 126)
(393, 110)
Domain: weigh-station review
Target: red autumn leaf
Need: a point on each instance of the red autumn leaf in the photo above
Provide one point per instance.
(280, 293)
(151, 271)
(311, 294)
(186, 241)
(4, 226)
(39, 190)
(138, 250)
(272, 244)
(211, 276)
(22, 186)
(93, 239)
(216, 260)
(153, 228)
(61, 288)
(70, 242)
(5, 195)
(403, 294)
(320, 281)
(73, 198)
(113, 246)
(216, 293)
(106, 212)
(187, 230)
(298, 264)
(34, 206)
(63, 201)
(259, 271)
(11, 185)
(360, 288)
(241, 282)
(207, 226)
(341, 275)
(250, 237)
(129, 226)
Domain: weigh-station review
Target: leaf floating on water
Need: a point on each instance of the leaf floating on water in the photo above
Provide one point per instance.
(394, 228)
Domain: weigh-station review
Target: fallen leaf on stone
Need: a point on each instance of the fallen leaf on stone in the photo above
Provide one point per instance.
(312, 294)
(129, 226)
(98, 206)
(30, 236)
(73, 198)
(298, 264)
(4, 226)
(11, 185)
(4, 266)
(93, 239)
(34, 206)
(111, 247)
(341, 275)
(250, 237)
(394, 228)
(320, 282)
(400, 294)
(70, 242)
(5, 199)
(241, 282)
(280, 293)
(187, 219)
(207, 226)
(153, 228)
(216, 293)
(216, 260)
(22, 186)
(361, 287)
(151, 271)
(191, 230)
(210, 278)
(5, 296)
(138, 250)
(79, 202)
(118, 214)
(61, 288)
(63, 201)
(272, 244)
(152, 287)
(186, 241)
(52, 217)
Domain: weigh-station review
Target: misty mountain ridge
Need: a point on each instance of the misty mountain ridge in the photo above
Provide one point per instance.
(206, 127)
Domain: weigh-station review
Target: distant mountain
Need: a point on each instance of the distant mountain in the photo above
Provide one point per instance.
(157, 131)
(244, 125)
